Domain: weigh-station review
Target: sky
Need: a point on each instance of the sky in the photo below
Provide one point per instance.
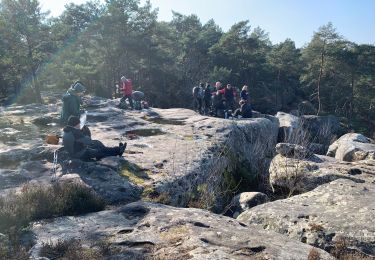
(282, 19)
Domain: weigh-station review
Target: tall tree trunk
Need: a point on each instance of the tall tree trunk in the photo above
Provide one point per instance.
(319, 80)
(34, 81)
(36, 88)
(351, 105)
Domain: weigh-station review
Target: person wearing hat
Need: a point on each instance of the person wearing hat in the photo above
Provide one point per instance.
(81, 146)
(72, 102)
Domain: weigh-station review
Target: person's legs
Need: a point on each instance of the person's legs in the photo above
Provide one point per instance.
(130, 98)
(102, 151)
(237, 112)
(122, 104)
(195, 104)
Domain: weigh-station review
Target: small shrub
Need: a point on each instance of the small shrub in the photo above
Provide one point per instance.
(10, 246)
(342, 251)
(38, 202)
(70, 249)
(313, 254)
(316, 227)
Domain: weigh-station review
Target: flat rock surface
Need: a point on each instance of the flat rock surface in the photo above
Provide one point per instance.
(170, 152)
(153, 231)
(341, 208)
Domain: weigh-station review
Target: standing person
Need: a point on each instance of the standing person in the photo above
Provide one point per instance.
(198, 97)
(79, 145)
(217, 98)
(127, 90)
(245, 93)
(229, 96)
(207, 98)
(72, 102)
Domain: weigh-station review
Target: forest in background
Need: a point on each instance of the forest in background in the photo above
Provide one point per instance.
(97, 43)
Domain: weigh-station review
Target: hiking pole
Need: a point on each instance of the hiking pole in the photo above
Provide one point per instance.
(54, 167)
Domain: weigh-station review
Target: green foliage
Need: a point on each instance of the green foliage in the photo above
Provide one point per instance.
(98, 42)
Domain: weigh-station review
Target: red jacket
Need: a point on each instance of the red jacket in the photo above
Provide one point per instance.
(127, 87)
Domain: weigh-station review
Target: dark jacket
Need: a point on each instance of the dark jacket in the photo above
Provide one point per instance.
(71, 106)
(228, 94)
(246, 111)
(75, 142)
(244, 95)
(207, 93)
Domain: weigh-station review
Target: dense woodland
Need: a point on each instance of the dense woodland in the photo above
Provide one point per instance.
(97, 43)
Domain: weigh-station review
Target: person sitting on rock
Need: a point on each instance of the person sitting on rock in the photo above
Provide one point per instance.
(78, 143)
(245, 93)
(72, 102)
(245, 110)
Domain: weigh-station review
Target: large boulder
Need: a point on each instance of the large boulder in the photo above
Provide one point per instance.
(321, 129)
(352, 147)
(314, 132)
(288, 124)
(153, 231)
(193, 160)
(290, 174)
(324, 216)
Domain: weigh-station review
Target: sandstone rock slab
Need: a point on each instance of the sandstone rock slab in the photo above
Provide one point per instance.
(338, 209)
(144, 230)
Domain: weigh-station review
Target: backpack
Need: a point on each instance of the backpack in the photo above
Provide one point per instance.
(196, 91)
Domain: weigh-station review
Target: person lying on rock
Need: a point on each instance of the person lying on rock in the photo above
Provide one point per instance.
(72, 102)
(245, 110)
(78, 143)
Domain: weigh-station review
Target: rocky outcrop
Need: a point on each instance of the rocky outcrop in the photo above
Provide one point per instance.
(173, 156)
(290, 174)
(288, 126)
(352, 147)
(313, 132)
(154, 231)
(342, 209)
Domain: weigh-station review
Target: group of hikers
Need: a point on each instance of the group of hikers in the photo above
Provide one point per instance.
(219, 101)
(222, 101)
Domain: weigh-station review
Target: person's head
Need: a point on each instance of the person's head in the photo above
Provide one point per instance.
(74, 121)
(218, 85)
(78, 88)
(123, 79)
(207, 84)
(229, 86)
(201, 85)
(245, 87)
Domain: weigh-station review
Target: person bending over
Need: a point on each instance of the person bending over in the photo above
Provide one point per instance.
(78, 143)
